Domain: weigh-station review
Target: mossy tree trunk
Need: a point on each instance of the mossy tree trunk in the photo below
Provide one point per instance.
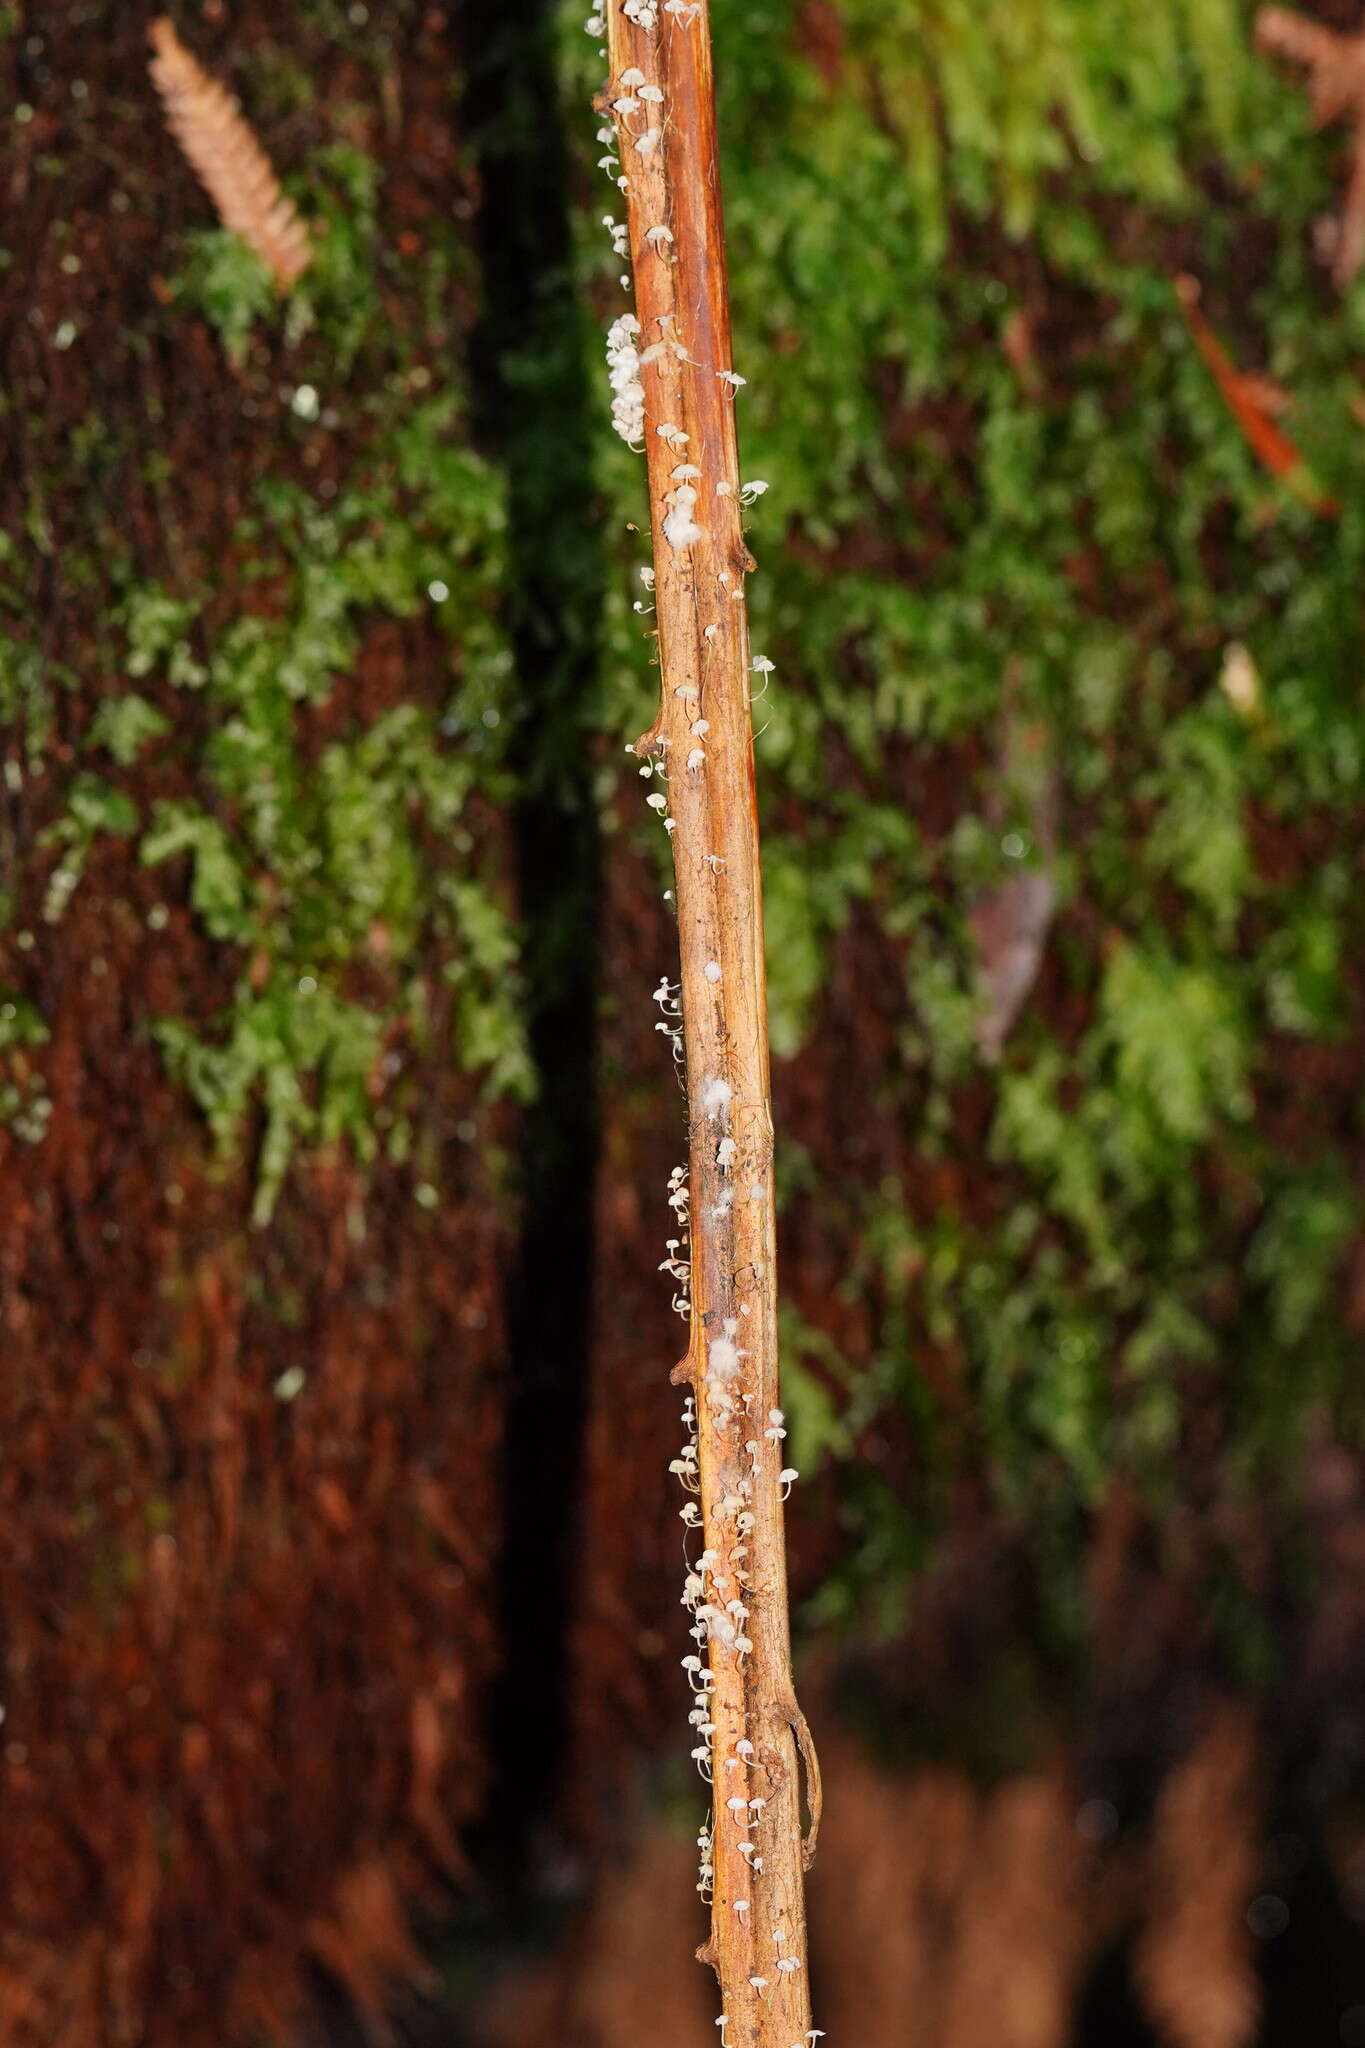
(258, 1032)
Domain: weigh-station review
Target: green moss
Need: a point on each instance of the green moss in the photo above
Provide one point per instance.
(24, 1102)
(93, 810)
(315, 870)
(332, 839)
(123, 726)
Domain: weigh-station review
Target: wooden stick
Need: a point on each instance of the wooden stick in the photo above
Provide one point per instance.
(677, 364)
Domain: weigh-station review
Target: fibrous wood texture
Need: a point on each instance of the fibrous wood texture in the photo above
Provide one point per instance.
(674, 384)
(233, 168)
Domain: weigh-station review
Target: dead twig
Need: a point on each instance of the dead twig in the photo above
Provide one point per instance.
(674, 387)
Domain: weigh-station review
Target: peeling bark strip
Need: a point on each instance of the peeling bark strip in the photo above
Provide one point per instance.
(674, 383)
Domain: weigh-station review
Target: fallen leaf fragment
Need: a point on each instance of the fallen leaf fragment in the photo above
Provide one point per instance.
(1251, 398)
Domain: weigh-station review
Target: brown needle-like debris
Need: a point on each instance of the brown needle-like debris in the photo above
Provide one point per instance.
(231, 165)
(1336, 91)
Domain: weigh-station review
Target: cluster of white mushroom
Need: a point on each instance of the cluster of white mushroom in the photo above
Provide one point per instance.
(623, 375)
(679, 1263)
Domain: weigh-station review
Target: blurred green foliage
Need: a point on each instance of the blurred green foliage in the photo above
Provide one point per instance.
(995, 452)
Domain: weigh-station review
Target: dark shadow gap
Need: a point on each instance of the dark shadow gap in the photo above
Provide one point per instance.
(534, 418)
(1308, 1953)
(1107, 2012)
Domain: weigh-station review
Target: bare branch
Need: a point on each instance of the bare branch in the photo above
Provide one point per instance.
(674, 384)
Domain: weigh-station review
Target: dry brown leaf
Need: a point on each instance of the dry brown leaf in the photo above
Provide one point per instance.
(1254, 402)
(231, 165)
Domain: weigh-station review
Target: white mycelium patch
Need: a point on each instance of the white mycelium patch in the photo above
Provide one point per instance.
(715, 1097)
